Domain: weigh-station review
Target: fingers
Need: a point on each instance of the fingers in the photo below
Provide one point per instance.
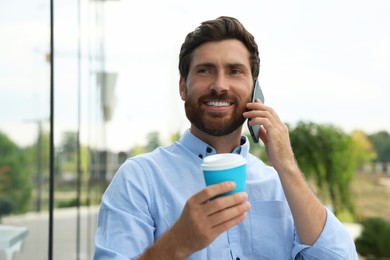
(224, 208)
(202, 219)
(229, 214)
(229, 224)
(213, 190)
(269, 119)
(261, 114)
(214, 206)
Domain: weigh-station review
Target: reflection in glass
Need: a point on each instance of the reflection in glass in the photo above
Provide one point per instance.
(83, 102)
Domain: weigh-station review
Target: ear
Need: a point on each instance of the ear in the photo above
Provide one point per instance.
(183, 88)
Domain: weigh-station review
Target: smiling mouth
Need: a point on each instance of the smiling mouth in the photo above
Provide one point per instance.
(218, 103)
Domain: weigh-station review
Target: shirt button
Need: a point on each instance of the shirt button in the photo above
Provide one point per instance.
(209, 150)
(237, 258)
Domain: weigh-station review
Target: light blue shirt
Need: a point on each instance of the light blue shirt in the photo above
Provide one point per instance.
(148, 193)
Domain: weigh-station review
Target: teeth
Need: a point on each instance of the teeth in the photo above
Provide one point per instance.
(218, 103)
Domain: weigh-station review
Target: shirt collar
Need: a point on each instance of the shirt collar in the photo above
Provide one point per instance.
(202, 149)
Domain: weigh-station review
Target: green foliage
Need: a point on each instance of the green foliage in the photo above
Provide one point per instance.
(68, 152)
(71, 203)
(137, 149)
(67, 203)
(6, 207)
(153, 141)
(15, 187)
(258, 149)
(67, 156)
(175, 137)
(362, 148)
(324, 154)
(373, 243)
(38, 155)
(381, 141)
(69, 142)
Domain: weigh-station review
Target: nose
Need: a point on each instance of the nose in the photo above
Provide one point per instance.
(220, 83)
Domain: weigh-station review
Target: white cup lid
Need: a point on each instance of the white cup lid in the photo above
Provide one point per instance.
(222, 161)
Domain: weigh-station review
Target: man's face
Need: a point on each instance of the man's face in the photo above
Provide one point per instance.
(218, 86)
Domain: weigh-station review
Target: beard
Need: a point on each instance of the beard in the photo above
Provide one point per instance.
(215, 124)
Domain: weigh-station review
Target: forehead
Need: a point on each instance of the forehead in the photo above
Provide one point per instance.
(229, 51)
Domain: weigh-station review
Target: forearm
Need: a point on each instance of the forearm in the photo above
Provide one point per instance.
(308, 212)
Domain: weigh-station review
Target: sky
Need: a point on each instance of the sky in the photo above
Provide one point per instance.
(321, 61)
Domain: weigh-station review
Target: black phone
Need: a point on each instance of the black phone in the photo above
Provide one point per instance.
(257, 94)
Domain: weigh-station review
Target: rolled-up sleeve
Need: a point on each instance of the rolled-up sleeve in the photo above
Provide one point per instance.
(334, 243)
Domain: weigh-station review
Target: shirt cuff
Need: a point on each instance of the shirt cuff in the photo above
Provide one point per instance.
(333, 243)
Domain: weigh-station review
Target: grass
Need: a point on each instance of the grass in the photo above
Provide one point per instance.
(372, 195)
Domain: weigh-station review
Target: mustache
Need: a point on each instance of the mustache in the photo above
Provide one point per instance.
(213, 95)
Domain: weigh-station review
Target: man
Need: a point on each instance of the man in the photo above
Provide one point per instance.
(157, 205)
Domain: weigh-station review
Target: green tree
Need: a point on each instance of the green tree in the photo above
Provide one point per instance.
(373, 242)
(69, 142)
(175, 137)
(15, 188)
(381, 142)
(68, 152)
(39, 153)
(153, 141)
(257, 149)
(38, 159)
(137, 149)
(362, 148)
(324, 155)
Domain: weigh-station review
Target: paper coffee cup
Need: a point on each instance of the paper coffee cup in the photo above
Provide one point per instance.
(225, 167)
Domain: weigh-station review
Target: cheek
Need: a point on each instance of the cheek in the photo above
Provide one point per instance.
(249, 97)
(194, 90)
(246, 95)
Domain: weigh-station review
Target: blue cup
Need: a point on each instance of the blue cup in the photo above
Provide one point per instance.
(225, 167)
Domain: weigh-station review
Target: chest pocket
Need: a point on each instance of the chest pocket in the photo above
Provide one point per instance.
(272, 229)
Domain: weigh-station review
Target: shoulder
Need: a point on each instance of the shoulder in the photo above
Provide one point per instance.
(158, 155)
(259, 167)
(152, 162)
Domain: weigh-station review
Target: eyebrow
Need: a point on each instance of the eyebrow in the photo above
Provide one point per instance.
(212, 65)
(204, 65)
(240, 65)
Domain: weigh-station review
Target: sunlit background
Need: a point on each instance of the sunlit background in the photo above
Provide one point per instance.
(116, 84)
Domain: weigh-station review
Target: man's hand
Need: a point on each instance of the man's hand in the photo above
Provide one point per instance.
(274, 134)
(201, 221)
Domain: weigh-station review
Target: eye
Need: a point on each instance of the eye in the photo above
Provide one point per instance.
(204, 70)
(236, 71)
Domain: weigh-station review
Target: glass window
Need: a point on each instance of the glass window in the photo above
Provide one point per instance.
(81, 109)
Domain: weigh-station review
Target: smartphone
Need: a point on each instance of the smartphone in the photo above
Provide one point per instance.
(257, 94)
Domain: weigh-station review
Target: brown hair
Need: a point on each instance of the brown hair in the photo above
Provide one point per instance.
(222, 28)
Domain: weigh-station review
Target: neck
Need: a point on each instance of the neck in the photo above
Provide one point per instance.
(222, 144)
